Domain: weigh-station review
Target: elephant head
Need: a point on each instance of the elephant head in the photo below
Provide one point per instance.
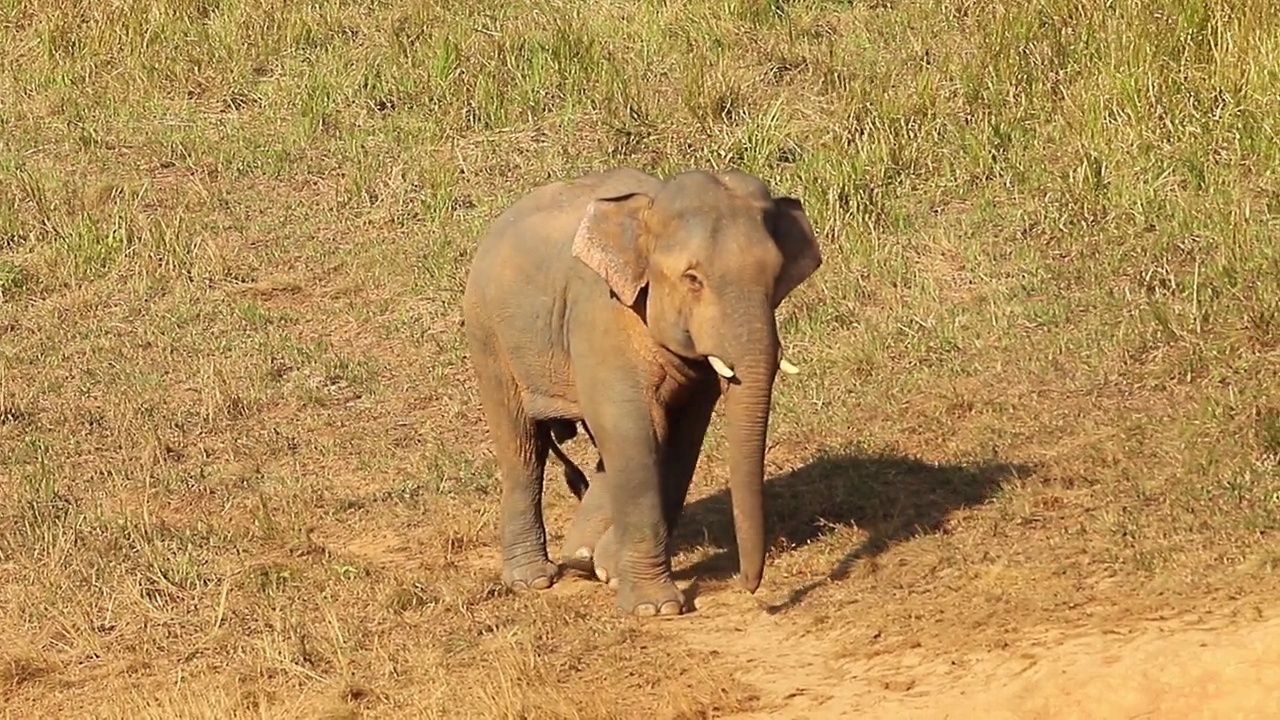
(706, 259)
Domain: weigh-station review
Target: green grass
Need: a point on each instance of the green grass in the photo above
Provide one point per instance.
(239, 440)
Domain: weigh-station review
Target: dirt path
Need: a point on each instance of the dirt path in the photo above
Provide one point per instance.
(1158, 670)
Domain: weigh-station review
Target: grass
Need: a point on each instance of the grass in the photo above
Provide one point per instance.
(242, 466)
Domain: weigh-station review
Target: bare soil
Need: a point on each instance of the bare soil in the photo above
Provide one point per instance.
(1189, 667)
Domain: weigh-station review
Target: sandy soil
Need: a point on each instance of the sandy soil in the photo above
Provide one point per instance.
(1186, 668)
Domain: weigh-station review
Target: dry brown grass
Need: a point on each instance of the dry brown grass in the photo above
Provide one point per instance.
(242, 466)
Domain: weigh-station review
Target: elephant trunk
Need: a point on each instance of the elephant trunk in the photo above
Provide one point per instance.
(747, 406)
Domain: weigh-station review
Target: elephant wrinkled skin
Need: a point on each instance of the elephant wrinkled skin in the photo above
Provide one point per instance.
(632, 303)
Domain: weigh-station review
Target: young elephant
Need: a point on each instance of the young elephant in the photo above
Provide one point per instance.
(632, 303)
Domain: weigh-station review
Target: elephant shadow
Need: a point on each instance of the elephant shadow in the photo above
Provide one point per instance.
(893, 498)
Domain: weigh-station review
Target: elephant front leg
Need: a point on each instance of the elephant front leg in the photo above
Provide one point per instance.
(521, 447)
(632, 556)
(591, 542)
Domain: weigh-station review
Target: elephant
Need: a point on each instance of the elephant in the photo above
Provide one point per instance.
(632, 303)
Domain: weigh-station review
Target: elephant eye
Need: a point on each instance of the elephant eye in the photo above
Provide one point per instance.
(692, 280)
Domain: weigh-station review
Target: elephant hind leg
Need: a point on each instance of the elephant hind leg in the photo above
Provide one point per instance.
(590, 522)
(521, 446)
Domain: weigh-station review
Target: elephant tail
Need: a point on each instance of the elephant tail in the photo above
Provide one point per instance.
(573, 475)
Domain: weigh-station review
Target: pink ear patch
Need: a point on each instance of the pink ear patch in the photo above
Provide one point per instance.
(607, 241)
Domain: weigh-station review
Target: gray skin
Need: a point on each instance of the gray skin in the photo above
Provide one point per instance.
(600, 300)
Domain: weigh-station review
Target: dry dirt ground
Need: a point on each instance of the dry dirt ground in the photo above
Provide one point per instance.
(1031, 464)
(1186, 668)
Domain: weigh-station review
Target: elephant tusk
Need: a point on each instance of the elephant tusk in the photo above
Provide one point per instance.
(787, 367)
(720, 366)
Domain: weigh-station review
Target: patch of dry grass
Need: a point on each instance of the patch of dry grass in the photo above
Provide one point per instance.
(241, 457)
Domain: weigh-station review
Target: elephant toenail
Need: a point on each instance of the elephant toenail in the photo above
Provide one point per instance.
(542, 583)
(602, 574)
(613, 583)
(670, 607)
(646, 610)
(583, 553)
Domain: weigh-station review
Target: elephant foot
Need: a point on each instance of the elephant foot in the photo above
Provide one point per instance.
(588, 527)
(581, 546)
(650, 599)
(537, 575)
(607, 553)
(641, 598)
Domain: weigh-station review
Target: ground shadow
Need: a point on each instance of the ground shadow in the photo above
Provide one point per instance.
(893, 498)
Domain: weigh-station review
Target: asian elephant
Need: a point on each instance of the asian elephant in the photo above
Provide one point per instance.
(632, 303)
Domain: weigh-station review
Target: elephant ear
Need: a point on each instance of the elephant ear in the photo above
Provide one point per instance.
(611, 241)
(795, 238)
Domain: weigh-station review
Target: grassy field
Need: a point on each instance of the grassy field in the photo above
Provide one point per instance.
(243, 471)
